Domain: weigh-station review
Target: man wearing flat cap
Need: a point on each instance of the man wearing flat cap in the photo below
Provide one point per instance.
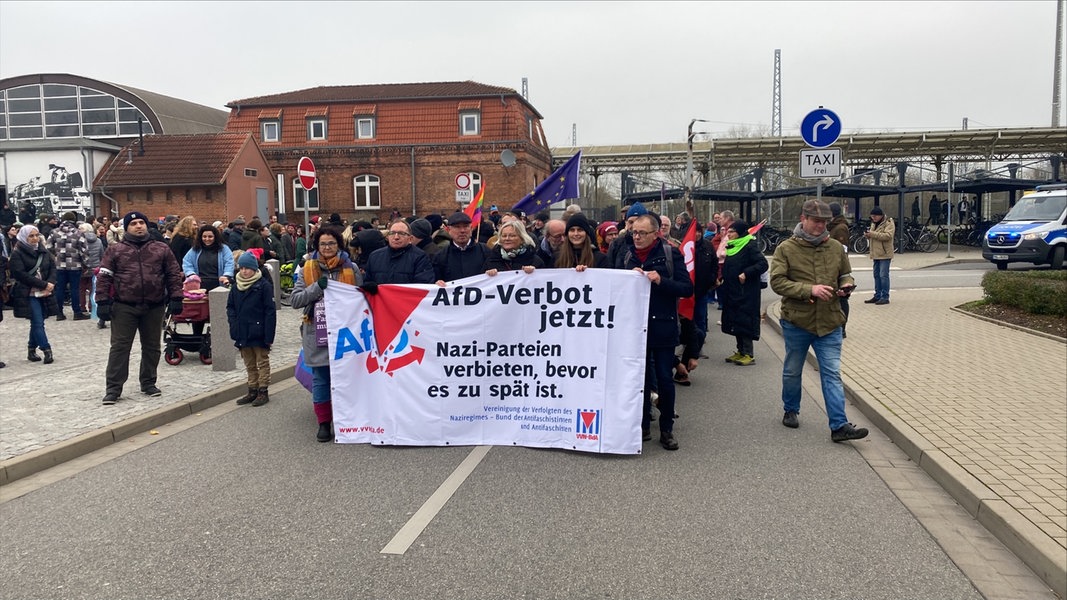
(463, 256)
(139, 279)
(811, 273)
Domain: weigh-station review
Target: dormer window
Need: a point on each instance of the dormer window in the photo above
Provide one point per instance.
(317, 128)
(470, 122)
(270, 130)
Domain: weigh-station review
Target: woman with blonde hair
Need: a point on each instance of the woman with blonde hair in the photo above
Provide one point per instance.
(514, 250)
(183, 238)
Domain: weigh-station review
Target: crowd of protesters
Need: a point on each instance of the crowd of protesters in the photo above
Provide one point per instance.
(72, 262)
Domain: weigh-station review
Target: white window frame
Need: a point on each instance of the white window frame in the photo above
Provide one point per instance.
(320, 121)
(369, 121)
(299, 195)
(264, 127)
(470, 122)
(371, 186)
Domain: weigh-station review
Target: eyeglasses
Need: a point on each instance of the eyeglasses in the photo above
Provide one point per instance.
(639, 233)
(327, 244)
(558, 236)
(398, 234)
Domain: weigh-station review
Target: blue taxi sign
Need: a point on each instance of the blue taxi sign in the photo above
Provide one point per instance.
(820, 128)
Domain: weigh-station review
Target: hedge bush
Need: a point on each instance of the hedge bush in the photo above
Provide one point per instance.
(1038, 292)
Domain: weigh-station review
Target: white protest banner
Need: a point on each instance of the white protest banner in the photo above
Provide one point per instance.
(551, 359)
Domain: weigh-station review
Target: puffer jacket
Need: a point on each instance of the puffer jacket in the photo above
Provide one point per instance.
(139, 272)
(95, 250)
(797, 266)
(252, 315)
(882, 239)
(68, 246)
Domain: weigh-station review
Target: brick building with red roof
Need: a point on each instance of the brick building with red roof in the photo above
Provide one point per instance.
(380, 148)
(210, 176)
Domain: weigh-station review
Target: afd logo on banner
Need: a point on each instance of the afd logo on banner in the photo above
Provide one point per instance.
(587, 425)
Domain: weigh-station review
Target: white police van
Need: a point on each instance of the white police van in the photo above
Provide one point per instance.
(1033, 231)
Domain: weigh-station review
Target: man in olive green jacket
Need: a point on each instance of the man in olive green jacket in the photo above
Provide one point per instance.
(811, 273)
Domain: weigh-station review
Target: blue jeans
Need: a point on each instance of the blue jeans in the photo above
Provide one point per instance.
(881, 278)
(320, 384)
(38, 338)
(828, 354)
(73, 278)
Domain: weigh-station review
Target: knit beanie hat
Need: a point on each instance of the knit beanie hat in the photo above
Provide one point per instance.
(579, 220)
(248, 261)
(131, 216)
(877, 210)
(740, 227)
(421, 229)
(636, 210)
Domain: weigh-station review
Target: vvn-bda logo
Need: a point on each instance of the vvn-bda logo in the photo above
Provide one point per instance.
(383, 332)
(587, 424)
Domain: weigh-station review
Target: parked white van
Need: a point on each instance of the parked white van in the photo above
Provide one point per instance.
(1033, 231)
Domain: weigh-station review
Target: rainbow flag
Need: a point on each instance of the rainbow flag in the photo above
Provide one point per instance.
(474, 209)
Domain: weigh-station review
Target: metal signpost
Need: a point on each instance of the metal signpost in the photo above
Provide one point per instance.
(464, 193)
(820, 129)
(305, 172)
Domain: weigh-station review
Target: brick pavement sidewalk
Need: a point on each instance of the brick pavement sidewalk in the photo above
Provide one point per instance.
(43, 405)
(948, 389)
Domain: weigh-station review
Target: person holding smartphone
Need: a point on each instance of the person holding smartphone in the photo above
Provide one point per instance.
(811, 273)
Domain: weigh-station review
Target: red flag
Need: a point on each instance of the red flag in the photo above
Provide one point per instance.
(687, 304)
(474, 209)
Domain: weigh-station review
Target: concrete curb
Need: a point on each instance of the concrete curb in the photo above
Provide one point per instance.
(36, 461)
(1018, 534)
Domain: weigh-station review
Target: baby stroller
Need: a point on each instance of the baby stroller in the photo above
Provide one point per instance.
(194, 311)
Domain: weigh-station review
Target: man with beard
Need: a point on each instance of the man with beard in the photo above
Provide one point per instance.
(139, 278)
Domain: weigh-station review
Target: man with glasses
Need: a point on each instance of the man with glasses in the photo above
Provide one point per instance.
(555, 231)
(616, 251)
(400, 261)
(648, 254)
(811, 273)
(463, 257)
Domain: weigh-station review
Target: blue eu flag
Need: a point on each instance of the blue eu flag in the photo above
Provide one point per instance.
(560, 185)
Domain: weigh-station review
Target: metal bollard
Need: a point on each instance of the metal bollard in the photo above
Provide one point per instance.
(276, 280)
(223, 352)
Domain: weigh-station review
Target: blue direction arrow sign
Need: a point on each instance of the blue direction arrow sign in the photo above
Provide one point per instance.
(820, 128)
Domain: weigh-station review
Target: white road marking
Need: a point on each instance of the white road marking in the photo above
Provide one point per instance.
(413, 528)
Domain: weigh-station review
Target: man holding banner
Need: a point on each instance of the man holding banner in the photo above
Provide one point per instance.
(649, 254)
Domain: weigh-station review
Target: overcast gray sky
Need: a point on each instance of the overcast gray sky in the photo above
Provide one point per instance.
(622, 72)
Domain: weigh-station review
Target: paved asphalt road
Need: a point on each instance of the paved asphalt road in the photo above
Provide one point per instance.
(245, 504)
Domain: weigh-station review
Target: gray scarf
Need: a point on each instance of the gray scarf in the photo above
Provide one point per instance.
(814, 240)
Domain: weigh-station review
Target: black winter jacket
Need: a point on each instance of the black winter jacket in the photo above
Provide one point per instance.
(406, 265)
(252, 315)
(663, 300)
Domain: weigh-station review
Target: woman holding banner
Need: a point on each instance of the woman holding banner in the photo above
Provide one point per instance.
(578, 252)
(514, 250)
(327, 262)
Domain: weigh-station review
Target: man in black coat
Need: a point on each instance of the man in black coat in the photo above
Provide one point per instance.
(647, 254)
(462, 257)
(400, 261)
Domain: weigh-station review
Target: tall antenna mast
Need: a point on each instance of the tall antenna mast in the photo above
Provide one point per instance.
(1057, 74)
(776, 103)
(574, 135)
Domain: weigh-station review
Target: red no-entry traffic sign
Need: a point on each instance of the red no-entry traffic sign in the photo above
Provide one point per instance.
(305, 170)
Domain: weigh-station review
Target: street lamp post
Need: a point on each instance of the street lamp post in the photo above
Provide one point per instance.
(689, 161)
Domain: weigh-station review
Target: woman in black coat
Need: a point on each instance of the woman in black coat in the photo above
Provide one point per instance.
(34, 271)
(740, 291)
(514, 250)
